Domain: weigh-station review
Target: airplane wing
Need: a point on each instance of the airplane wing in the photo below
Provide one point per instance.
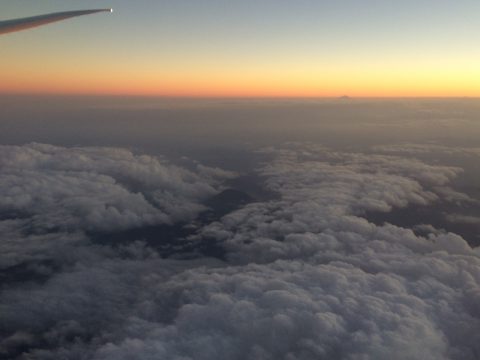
(8, 26)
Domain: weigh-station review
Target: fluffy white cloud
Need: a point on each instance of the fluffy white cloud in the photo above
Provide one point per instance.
(99, 188)
(51, 196)
(327, 196)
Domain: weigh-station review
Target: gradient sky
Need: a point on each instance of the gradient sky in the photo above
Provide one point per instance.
(247, 48)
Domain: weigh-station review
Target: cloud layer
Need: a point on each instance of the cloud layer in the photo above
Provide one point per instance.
(99, 188)
(306, 275)
(51, 196)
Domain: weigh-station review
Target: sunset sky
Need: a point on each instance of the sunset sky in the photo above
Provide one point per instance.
(247, 48)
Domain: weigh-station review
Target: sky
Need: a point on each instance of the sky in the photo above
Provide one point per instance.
(248, 48)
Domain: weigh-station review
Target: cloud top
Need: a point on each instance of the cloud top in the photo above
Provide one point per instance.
(100, 189)
(307, 276)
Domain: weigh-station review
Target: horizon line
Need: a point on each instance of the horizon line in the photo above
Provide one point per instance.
(286, 97)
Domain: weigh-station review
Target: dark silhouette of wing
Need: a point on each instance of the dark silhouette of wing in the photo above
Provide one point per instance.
(8, 26)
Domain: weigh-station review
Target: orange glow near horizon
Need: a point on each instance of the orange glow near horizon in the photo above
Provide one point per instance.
(252, 84)
(288, 76)
(250, 49)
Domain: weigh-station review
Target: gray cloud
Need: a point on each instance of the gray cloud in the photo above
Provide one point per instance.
(306, 276)
(426, 149)
(99, 188)
(52, 196)
(462, 219)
